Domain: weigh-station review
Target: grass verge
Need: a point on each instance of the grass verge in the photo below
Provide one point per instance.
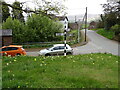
(108, 34)
(80, 71)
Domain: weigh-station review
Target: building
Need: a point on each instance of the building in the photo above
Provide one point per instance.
(73, 26)
(5, 37)
(63, 20)
(92, 25)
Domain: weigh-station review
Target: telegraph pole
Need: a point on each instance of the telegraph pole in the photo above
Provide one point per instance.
(79, 31)
(85, 24)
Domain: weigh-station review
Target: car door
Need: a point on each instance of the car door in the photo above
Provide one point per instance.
(55, 50)
(61, 50)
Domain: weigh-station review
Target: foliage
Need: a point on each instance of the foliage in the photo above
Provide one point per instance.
(17, 14)
(37, 28)
(108, 34)
(111, 15)
(43, 28)
(80, 71)
(5, 11)
(17, 29)
(50, 7)
(116, 29)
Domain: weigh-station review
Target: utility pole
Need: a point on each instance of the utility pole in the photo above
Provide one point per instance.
(85, 24)
(79, 31)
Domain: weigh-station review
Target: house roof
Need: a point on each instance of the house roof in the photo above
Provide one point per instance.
(7, 32)
(62, 18)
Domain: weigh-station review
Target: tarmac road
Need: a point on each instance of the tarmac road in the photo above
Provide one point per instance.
(96, 44)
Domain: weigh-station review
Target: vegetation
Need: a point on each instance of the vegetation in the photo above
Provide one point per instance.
(81, 71)
(17, 14)
(5, 12)
(37, 28)
(108, 34)
(110, 21)
(40, 25)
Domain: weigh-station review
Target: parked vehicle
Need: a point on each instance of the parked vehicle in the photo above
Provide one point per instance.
(12, 50)
(57, 49)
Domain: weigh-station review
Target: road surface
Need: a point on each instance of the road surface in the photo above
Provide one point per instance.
(96, 44)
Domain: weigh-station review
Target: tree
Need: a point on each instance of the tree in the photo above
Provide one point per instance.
(111, 14)
(5, 11)
(50, 7)
(43, 28)
(45, 8)
(18, 29)
(37, 28)
(17, 14)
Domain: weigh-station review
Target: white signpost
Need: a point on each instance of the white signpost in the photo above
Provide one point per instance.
(65, 34)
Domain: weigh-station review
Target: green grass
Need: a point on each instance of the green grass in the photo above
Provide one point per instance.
(108, 34)
(81, 71)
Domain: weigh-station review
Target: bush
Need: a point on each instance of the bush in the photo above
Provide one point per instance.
(116, 29)
(108, 34)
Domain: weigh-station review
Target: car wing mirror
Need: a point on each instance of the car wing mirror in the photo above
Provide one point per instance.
(51, 49)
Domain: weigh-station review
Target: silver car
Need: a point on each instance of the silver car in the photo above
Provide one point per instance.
(57, 49)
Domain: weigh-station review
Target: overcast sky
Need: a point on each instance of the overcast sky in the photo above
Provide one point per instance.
(75, 7)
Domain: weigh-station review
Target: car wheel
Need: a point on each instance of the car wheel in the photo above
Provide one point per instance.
(18, 54)
(69, 53)
(47, 54)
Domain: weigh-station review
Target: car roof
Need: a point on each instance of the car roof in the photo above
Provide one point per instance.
(12, 46)
(59, 45)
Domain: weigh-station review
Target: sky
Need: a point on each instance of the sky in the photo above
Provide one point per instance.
(75, 7)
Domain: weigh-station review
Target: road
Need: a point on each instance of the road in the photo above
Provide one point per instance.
(96, 44)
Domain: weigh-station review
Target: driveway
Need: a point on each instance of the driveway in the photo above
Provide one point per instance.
(96, 44)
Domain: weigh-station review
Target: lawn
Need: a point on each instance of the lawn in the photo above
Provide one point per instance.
(80, 71)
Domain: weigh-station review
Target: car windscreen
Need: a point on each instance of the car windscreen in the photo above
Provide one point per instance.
(49, 48)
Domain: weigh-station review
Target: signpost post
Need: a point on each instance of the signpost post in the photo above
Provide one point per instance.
(65, 37)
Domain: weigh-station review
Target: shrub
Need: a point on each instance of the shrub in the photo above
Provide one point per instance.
(116, 29)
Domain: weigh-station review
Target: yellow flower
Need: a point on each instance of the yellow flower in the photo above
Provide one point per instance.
(18, 86)
(73, 60)
(7, 63)
(40, 64)
(14, 60)
(43, 62)
(8, 70)
(35, 59)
